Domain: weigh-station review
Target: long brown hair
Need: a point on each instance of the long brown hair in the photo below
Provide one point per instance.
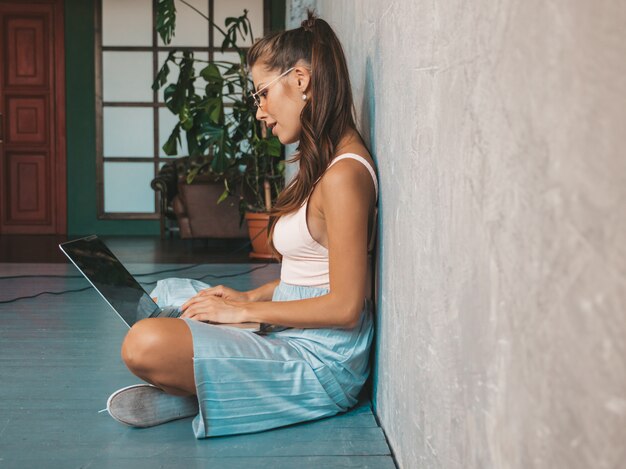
(329, 112)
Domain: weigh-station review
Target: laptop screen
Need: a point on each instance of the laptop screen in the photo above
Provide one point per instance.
(107, 275)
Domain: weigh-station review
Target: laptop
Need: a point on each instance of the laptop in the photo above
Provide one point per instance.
(118, 287)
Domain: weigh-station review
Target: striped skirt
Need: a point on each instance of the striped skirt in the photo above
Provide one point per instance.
(248, 382)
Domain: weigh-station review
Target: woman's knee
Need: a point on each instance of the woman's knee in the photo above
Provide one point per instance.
(160, 345)
(142, 343)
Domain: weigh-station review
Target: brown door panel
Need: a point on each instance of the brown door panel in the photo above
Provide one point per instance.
(26, 54)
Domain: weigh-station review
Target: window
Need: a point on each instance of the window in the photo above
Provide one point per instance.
(132, 120)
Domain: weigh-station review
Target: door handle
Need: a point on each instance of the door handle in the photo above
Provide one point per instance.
(1, 129)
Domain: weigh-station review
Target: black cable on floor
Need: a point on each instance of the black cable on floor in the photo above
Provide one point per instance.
(219, 276)
(44, 293)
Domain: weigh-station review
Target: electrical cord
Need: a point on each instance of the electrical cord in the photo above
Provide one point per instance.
(13, 300)
(44, 293)
(219, 276)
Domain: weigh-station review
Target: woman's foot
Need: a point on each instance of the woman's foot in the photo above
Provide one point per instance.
(145, 405)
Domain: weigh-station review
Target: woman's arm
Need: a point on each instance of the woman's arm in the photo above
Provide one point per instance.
(347, 200)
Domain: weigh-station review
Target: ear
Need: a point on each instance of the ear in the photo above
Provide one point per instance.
(303, 78)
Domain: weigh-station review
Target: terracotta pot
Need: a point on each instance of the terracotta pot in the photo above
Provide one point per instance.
(257, 227)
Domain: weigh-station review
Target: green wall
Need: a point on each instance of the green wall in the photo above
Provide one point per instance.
(277, 19)
(81, 130)
(81, 124)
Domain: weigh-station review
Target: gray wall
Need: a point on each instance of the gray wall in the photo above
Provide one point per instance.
(499, 131)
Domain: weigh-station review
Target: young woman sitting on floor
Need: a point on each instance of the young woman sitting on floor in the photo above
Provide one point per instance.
(237, 381)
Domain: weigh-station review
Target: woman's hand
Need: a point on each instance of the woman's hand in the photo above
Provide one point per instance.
(224, 292)
(211, 308)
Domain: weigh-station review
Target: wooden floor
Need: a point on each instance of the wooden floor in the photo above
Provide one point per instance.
(60, 360)
(150, 249)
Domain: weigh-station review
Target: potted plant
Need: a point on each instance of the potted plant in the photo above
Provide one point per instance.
(212, 102)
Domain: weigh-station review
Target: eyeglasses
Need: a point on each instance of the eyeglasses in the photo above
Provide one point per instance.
(256, 99)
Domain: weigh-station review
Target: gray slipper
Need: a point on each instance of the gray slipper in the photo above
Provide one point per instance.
(145, 405)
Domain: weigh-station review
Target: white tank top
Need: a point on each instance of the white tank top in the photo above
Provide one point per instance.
(305, 261)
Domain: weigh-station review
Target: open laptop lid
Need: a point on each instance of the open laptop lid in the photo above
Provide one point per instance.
(110, 278)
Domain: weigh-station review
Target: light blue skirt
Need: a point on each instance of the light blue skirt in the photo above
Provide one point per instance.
(248, 382)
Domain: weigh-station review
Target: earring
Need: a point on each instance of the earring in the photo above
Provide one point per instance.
(303, 97)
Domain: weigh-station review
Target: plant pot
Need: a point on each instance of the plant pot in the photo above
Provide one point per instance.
(200, 216)
(193, 207)
(257, 227)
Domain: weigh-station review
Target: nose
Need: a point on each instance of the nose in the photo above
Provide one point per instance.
(260, 113)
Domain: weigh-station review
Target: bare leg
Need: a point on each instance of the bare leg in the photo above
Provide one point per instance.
(160, 351)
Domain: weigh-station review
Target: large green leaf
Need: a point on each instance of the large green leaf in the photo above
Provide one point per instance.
(176, 95)
(171, 146)
(161, 77)
(192, 142)
(233, 69)
(166, 19)
(186, 120)
(174, 98)
(186, 76)
(213, 133)
(229, 39)
(273, 147)
(244, 26)
(211, 73)
(215, 111)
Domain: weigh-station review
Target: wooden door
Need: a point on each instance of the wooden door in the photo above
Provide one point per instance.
(32, 118)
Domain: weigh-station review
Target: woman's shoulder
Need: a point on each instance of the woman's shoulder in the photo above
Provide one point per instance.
(355, 153)
(350, 169)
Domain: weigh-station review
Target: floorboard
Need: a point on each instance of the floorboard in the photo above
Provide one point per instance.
(60, 360)
(44, 248)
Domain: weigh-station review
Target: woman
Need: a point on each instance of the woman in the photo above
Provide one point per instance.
(238, 381)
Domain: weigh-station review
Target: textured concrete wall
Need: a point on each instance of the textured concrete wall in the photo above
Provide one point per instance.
(499, 130)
